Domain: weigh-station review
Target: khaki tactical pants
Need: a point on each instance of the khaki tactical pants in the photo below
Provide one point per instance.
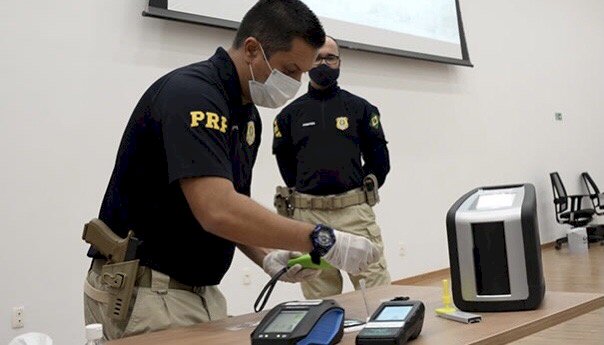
(155, 308)
(357, 220)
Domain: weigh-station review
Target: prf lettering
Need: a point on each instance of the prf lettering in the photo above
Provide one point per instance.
(209, 120)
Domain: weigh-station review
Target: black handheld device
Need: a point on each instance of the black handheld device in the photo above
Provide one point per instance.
(394, 322)
(301, 323)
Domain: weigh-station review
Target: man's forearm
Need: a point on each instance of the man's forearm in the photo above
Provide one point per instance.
(287, 168)
(256, 254)
(249, 223)
(377, 162)
(233, 216)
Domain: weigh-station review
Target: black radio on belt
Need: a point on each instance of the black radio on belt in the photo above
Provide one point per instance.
(394, 322)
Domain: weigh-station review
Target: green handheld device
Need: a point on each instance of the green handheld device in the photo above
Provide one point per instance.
(306, 262)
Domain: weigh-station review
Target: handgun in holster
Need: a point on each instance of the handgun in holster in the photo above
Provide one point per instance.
(283, 201)
(370, 187)
(119, 273)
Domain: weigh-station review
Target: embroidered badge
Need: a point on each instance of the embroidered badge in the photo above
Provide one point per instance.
(342, 123)
(375, 121)
(251, 133)
(276, 130)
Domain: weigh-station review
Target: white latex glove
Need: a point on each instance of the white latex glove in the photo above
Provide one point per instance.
(276, 260)
(352, 253)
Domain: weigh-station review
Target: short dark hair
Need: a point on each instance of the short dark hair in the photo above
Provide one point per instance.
(275, 23)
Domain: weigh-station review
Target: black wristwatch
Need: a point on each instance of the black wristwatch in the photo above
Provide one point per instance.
(322, 238)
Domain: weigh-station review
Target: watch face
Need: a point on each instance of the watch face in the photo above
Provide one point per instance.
(324, 238)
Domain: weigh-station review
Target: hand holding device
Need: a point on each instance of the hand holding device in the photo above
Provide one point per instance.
(299, 268)
(352, 253)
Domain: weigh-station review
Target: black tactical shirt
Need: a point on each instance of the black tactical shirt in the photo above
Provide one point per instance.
(319, 140)
(189, 123)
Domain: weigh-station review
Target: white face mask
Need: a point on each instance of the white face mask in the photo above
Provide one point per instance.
(275, 91)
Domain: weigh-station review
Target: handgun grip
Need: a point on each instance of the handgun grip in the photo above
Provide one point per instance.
(111, 246)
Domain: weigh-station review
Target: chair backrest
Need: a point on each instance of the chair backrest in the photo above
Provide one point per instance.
(591, 186)
(594, 194)
(559, 192)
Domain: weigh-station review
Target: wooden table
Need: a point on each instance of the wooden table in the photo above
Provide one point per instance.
(495, 328)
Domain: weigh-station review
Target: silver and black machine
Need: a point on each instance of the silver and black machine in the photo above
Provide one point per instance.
(495, 251)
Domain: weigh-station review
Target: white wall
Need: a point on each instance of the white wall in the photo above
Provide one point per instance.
(72, 72)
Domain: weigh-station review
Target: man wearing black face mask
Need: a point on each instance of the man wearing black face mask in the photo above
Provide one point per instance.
(319, 141)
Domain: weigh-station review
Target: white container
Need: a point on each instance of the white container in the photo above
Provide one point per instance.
(32, 338)
(94, 334)
(577, 241)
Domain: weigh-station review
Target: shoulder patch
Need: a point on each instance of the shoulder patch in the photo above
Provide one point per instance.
(375, 120)
(276, 130)
(209, 120)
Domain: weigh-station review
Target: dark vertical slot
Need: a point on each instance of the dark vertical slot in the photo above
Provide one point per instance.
(490, 259)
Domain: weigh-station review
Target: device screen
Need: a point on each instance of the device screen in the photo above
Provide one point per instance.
(495, 201)
(394, 313)
(286, 321)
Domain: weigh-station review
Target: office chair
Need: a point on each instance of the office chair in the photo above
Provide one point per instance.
(596, 233)
(594, 193)
(568, 208)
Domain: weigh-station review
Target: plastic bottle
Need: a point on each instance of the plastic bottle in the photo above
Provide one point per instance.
(94, 334)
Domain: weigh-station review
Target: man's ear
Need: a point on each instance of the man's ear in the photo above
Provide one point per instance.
(251, 49)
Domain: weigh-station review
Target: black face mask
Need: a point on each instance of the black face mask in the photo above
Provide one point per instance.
(324, 75)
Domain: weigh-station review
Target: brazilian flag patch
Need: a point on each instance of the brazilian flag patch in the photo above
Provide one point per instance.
(276, 130)
(375, 121)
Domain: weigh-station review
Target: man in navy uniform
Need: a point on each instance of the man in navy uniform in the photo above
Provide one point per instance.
(183, 172)
(319, 140)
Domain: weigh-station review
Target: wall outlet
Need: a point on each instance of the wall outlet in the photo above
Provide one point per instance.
(17, 319)
(401, 249)
(558, 116)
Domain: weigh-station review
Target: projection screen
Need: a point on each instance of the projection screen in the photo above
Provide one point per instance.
(422, 29)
